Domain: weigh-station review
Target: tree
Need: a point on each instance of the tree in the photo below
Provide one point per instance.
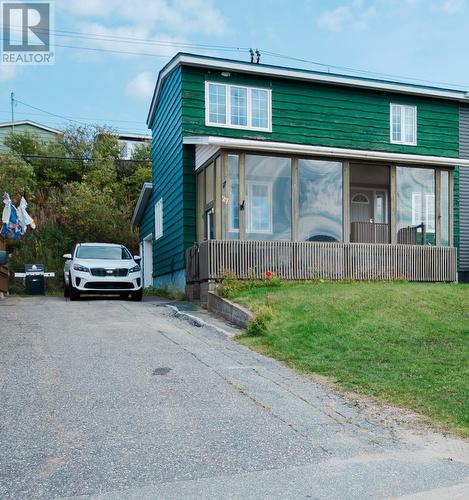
(16, 177)
(93, 215)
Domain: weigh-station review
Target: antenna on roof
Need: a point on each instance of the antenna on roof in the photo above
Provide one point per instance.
(255, 56)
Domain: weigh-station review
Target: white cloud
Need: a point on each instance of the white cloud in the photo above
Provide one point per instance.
(7, 72)
(177, 16)
(141, 87)
(451, 6)
(356, 16)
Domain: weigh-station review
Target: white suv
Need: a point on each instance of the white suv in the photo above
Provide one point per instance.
(102, 268)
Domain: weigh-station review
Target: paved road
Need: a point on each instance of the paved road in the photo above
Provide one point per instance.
(116, 399)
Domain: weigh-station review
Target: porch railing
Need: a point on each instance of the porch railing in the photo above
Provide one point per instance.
(298, 260)
(370, 232)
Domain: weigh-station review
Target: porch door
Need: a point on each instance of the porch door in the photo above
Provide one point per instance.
(148, 261)
(361, 206)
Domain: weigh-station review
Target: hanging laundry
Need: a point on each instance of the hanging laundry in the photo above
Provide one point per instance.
(24, 218)
(15, 220)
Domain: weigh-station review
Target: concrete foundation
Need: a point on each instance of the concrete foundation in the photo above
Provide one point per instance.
(175, 281)
(228, 310)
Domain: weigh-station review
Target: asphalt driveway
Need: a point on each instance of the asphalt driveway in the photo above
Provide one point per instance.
(116, 399)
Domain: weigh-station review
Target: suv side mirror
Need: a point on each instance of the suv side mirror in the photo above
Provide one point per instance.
(3, 257)
(67, 256)
(137, 258)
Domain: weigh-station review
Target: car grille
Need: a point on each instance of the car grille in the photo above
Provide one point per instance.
(108, 285)
(101, 271)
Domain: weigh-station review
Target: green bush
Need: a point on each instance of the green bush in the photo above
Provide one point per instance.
(258, 326)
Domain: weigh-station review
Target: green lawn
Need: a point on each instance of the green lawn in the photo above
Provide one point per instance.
(403, 343)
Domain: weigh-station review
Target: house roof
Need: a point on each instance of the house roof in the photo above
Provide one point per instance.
(306, 149)
(32, 124)
(142, 201)
(134, 137)
(268, 70)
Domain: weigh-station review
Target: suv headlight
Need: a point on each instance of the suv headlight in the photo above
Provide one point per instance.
(83, 269)
(134, 269)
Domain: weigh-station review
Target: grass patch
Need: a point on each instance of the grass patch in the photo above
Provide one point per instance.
(403, 343)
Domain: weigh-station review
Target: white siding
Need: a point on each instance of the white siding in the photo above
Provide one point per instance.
(204, 153)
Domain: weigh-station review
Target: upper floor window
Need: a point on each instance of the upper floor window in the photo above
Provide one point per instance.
(403, 124)
(238, 107)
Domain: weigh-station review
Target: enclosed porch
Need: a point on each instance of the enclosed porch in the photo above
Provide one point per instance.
(304, 217)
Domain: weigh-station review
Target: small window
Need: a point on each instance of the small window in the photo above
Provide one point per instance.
(403, 124)
(236, 106)
(159, 219)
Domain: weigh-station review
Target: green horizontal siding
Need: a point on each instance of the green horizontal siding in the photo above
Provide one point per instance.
(43, 136)
(328, 115)
(167, 178)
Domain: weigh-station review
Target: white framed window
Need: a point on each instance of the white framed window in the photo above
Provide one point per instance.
(403, 124)
(159, 219)
(259, 207)
(237, 106)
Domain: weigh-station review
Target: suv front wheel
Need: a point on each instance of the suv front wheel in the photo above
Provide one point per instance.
(74, 293)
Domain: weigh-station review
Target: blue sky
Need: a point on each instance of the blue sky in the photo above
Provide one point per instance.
(422, 39)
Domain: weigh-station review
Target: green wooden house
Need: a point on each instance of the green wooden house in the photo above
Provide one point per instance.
(260, 168)
(44, 133)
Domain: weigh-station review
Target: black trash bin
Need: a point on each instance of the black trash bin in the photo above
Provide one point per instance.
(34, 279)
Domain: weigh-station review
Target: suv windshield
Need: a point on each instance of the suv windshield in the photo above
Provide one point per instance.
(104, 252)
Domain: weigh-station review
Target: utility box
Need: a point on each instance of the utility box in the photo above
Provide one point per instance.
(35, 284)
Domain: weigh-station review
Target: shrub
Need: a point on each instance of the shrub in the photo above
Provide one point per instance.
(258, 326)
(229, 285)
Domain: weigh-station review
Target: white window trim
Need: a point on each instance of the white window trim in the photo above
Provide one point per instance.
(403, 126)
(159, 219)
(249, 126)
(249, 185)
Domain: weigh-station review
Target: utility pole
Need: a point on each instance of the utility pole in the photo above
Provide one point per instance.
(12, 103)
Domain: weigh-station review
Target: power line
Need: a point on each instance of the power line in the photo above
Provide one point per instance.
(48, 112)
(133, 40)
(61, 116)
(46, 157)
(126, 52)
(169, 43)
(360, 71)
(82, 118)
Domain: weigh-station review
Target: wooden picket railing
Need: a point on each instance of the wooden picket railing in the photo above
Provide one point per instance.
(369, 232)
(304, 260)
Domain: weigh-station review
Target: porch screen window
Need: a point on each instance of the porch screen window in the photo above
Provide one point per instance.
(237, 106)
(403, 124)
(415, 205)
(232, 190)
(159, 219)
(259, 204)
(444, 207)
(320, 200)
(267, 206)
